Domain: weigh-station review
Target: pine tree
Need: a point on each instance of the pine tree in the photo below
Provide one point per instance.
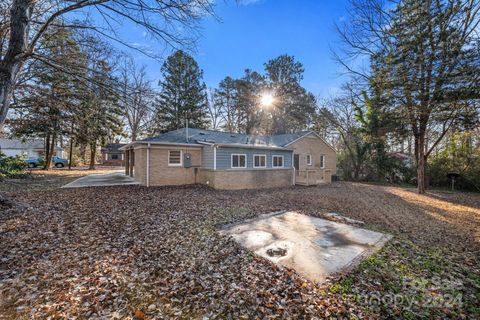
(99, 116)
(249, 89)
(226, 100)
(182, 94)
(48, 101)
(294, 108)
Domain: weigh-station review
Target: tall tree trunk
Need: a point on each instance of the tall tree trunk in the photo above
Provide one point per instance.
(421, 163)
(134, 134)
(10, 65)
(409, 148)
(51, 150)
(46, 150)
(356, 171)
(6, 91)
(93, 151)
(83, 153)
(70, 154)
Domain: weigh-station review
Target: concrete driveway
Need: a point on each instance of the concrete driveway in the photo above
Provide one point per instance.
(100, 180)
(314, 247)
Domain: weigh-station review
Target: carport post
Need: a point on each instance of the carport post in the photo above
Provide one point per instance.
(132, 161)
(127, 162)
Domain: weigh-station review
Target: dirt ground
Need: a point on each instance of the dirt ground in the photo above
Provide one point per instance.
(155, 253)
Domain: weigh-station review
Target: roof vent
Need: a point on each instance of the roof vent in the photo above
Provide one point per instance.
(232, 136)
(201, 133)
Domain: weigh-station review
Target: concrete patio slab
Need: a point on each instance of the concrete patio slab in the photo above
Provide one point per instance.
(314, 247)
(100, 180)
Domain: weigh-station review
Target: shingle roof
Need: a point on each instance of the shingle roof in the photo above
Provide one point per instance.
(113, 147)
(197, 136)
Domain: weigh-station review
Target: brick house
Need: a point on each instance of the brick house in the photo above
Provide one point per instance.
(225, 160)
(112, 155)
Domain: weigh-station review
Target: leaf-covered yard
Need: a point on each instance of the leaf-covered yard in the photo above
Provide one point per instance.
(154, 253)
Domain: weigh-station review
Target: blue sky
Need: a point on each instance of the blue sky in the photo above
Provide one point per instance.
(254, 31)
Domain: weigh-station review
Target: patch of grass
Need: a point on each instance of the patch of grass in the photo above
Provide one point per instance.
(372, 263)
(343, 287)
(407, 281)
(431, 265)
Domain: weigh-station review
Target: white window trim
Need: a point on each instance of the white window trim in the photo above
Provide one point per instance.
(279, 156)
(238, 154)
(322, 163)
(309, 157)
(175, 164)
(260, 155)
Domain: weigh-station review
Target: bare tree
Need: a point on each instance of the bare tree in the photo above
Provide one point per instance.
(137, 97)
(340, 112)
(24, 23)
(214, 111)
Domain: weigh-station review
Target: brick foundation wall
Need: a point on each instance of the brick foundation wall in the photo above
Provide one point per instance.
(246, 179)
(113, 162)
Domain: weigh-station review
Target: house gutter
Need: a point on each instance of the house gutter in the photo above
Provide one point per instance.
(294, 170)
(148, 165)
(130, 145)
(251, 146)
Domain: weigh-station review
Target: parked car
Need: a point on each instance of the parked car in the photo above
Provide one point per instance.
(33, 162)
(56, 161)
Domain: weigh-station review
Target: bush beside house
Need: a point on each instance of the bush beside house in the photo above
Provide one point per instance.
(12, 167)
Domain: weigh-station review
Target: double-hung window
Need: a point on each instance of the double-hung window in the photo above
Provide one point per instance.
(175, 158)
(239, 161)
(322, 161)
(277, 161)
(259, 161)
(309, 160)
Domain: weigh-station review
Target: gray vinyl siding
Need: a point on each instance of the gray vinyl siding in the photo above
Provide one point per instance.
(224, 157)
(207, 157)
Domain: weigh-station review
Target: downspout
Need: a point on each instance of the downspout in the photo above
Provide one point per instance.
(294, 170)
(148, 165)
(186, 128)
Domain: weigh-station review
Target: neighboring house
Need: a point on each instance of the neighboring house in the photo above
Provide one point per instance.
(112, 156)
(26, 148)
(230, 160)
(405, 158)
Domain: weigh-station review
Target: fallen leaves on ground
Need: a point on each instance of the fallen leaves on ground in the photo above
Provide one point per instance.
(154, 253)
